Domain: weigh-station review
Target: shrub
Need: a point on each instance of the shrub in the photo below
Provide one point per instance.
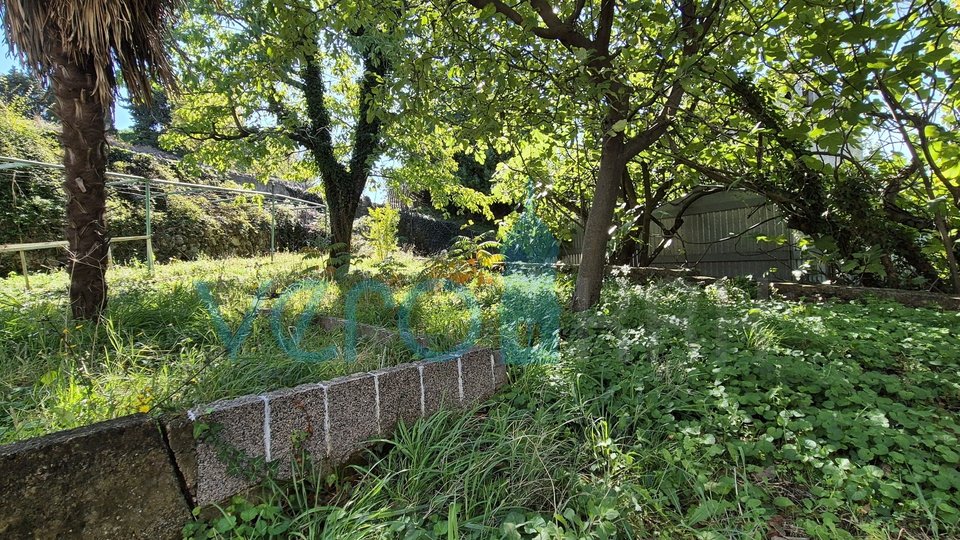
(382, 233)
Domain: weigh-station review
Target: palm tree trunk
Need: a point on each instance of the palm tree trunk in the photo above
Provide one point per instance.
(82, 116)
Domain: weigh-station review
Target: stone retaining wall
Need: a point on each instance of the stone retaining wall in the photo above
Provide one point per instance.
(644, 274)
(138, 477)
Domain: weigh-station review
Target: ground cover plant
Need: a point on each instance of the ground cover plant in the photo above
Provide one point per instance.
(675, 412)
(158, 349)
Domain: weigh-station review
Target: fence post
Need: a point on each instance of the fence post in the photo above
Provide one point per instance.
(149, 231)
(273, 219)
(23, 266)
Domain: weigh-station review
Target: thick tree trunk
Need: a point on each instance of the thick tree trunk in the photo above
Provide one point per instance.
(82, 116)
(343, 185)
(597, 231)
(342, 207)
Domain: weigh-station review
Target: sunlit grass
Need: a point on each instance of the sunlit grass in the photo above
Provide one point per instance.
(157, 348)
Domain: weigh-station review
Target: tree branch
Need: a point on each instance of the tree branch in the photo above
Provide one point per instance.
(555, 29)
(316, 136)
(366, 138)
(691, 47)
(605, 26)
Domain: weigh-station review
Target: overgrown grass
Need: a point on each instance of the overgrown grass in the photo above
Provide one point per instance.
(675, 412)
(157, 348)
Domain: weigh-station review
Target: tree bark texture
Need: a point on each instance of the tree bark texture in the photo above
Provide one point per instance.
(82, 116)
(597, 231)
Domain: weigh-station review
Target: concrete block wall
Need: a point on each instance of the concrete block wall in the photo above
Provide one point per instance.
(114, 479)
(137, 477)
(801, 291)
(329, 422)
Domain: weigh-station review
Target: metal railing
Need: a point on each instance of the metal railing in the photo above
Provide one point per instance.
(123, 181)
(22, 249)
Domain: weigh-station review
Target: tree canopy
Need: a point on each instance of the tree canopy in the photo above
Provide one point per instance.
(843, 116)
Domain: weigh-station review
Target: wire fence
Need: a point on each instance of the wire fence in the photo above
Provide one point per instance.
(32, 202)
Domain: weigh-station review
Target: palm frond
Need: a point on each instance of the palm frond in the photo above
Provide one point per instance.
(131, 34)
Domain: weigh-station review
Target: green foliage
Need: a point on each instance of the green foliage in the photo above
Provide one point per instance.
(231, 120)
(244, 520)
(28, 95)
(820, 108)
(469, 259)
(151, 121)
(381, 230)
(834, 120)
(529, 318)
(31, 201)
(529, 241)
(680, 412)
(26, 138)
(156, 349)
(842, 410)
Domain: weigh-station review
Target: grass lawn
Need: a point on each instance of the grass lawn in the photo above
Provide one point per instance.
(157, 349)
(675, 412)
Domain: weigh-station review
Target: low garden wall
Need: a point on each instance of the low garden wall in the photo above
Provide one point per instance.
(139, 477)
(788, 290)
(798, 291)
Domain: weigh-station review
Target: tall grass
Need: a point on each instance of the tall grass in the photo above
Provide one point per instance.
(156, 348)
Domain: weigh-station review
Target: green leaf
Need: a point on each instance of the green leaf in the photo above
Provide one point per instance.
(857, 33)
(704, 511)
(831, 141)
(782, 502)
(225, 523)
(48, 377)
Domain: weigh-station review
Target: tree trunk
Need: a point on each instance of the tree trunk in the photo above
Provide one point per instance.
(597, 231)
(342, 207)
(82, 116)
(636, 244)
(650, 203)
(343, 186)
(947, 240)
(624, 254)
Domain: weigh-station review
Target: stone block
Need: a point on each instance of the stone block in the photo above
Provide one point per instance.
(178, 429)
(441, 385)
(111, 480)
(477, 374)
(351, 415)
(399, 396)
(231, 449)
(331, 324)
(297, 417)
